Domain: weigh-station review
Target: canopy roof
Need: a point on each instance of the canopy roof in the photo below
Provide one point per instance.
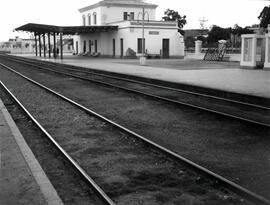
(66, 30)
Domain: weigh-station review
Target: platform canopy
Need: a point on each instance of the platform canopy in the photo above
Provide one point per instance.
(65, 30)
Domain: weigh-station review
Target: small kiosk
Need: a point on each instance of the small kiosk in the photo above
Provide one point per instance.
(253, 51)
(267, 51)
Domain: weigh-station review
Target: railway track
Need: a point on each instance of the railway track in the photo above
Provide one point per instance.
(247, 112)
(65, 155)
(222, 181)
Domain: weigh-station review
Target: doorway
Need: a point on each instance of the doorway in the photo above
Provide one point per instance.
(84, 46)
(77, 48)
(90, 46)
(95, 46)
(113, 47)
(121, 48)
(166, 48)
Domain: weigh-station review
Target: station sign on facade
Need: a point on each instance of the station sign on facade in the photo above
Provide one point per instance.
(153, 32)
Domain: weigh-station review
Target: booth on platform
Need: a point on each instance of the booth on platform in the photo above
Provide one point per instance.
(267, 52)
(256, 50)
(253, 50)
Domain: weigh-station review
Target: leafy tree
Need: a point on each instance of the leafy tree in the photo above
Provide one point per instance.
(171, 15)
(190, 42)
(217, 33)
(203, 39)
(238, 30)
(264, 17)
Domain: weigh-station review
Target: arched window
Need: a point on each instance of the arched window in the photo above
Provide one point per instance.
(83, 20)
(89, 19)
(95, 18)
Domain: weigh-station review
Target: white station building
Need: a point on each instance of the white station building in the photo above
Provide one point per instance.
(162, 39)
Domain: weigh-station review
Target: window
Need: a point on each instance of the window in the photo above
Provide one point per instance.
(95, 18)
(131, 16)
(89, 19)
(83, 20)
(125, 15)
(247, 49)
(139, 46)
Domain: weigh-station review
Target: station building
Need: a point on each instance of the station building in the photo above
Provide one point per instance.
(112, 28)
(162, 39)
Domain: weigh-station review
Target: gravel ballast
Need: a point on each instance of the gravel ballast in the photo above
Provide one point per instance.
(128, 170)
(233, 149)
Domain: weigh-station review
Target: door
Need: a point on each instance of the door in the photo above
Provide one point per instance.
(77, 48)
(121, 48)
(90, 45)
(113, 47)
(95, 46)
(84, 46)
(166, 48)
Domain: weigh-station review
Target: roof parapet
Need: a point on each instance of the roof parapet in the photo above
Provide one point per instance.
(120, 3)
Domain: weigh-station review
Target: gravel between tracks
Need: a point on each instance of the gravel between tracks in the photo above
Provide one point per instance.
(126, 169)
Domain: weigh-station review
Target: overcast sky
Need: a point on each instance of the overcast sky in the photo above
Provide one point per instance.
(224, 13)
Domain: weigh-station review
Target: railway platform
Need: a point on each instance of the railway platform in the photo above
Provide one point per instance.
(22, 180)
(220, 76)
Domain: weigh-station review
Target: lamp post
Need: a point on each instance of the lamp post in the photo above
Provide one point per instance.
(143, 13)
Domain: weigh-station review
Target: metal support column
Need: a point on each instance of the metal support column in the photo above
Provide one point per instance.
(39, 40)
(36, 44)
(54, 45)
(61, 45)
(49, 44)
(44, 45)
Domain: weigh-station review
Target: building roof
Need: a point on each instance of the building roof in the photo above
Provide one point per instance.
(120, 3)
(66, 30)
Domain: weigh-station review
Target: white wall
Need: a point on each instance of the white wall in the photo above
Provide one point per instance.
(130, 36)
(91, 12)
(153, 43)
(115, 14)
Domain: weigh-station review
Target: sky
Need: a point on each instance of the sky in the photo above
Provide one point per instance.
(224, 13)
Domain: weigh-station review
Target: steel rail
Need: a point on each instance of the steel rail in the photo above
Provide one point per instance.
(257, 199)
(85, 176)
(147, 84)
(158, 97)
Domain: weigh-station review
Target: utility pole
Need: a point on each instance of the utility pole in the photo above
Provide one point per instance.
(202, 21)
(143, 44)
(143, 58)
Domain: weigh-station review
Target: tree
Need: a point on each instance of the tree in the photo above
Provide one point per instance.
(217, 33)
(171, 15)
(264, 17)
(203, 39)
(238, 30)
(190, 42)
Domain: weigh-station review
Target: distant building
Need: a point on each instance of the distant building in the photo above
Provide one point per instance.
(24, 46)
(161, 38)
(18, 45)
